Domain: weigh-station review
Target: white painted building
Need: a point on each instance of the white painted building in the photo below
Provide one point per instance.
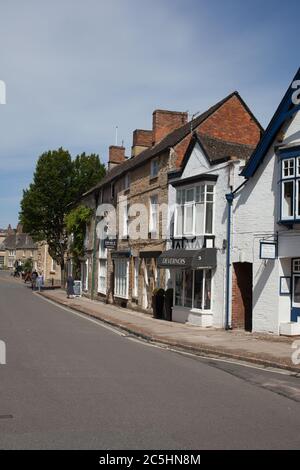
(266, 224)
(196, 257)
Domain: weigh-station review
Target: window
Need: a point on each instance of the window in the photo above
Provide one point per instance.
(193, 289)
(135, 276)
(127, 181)
(153, 219)
(102, 269)
(121, 278)
(124, 220)
(288, 168)
(296, 266)
(12, 253)
(194, 210)
(290, 189)
(53, 265)
(154, 168)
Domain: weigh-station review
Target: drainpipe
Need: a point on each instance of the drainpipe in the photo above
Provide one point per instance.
(94, 249)
(229, 198)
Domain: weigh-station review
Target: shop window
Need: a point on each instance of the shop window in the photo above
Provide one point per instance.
(135, 276)
(102, 267)
(193, 289)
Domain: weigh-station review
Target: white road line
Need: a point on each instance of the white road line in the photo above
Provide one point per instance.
(168, 348)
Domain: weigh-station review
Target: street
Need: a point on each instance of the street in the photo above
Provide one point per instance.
(71, 383)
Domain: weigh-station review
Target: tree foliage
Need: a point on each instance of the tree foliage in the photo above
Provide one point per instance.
(58, 180)
(76, 221)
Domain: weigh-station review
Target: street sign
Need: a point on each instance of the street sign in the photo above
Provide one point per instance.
(268, 250)
(110, 243)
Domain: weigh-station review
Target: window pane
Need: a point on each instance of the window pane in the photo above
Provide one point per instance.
(189, 195)
(298, 166)
(207, 290)
(188, 290)
(199, 218)
(297, 289)
(198, 289)
(296, 266)
(188, 219)
(179, 217)
(298, 198)
(179, 288)
(209, 218)
(288, 167)
(288, 199)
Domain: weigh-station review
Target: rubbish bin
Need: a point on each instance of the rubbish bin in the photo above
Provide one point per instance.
(168, 305)
(158, 300)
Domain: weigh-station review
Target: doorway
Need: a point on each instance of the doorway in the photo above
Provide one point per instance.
(242, 296)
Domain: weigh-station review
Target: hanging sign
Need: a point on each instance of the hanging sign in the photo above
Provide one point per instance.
(268, 250)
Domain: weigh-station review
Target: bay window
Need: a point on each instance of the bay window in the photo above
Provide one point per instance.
(193, 289)
(290, 189)
(194, 210)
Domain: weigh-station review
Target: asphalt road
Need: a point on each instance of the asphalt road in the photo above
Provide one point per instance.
(71, 383)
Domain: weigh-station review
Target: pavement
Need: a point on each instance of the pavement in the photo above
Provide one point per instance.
(266, 350)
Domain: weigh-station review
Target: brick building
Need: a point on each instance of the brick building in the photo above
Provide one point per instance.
(123, 269)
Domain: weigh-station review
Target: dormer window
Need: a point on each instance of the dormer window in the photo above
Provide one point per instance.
(290, 190)
(127, 181)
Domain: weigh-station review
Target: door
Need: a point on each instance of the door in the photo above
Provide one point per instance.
(296, 290)
(242, 296)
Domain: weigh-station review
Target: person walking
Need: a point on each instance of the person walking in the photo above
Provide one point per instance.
(34, 276)
(40, 281)
(70, 287)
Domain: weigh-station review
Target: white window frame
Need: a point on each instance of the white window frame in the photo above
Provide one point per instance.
(288, 160)
(135, 288)
(194, 203)
(102, 259)
(118, 292)
(194, 309)
(153, 211)
(154, 168)
(283, 182)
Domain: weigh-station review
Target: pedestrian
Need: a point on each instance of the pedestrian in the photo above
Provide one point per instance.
(70, 287)
(34, 276)
(40, 281)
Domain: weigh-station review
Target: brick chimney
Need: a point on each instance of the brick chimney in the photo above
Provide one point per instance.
(141, 140)
(116, 156)
(165, 122)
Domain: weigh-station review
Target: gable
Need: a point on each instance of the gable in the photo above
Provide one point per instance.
(197, 162)
(286, 110)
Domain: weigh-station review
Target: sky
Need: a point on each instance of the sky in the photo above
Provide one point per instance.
(76, 69)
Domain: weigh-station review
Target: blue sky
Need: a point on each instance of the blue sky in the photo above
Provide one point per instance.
(75, 69)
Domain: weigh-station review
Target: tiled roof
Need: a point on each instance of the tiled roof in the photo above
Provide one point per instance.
(217, 149)
(169, 141)
(18, 241)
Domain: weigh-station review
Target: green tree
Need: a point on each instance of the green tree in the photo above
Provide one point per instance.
(57, 182)
(76, 222)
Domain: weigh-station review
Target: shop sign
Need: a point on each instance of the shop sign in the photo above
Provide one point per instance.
(268, 250)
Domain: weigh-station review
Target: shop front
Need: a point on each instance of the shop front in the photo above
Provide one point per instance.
(191, 276)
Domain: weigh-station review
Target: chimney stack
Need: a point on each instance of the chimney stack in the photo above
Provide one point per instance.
(165, 122)
(141, 140)
(116, 156)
